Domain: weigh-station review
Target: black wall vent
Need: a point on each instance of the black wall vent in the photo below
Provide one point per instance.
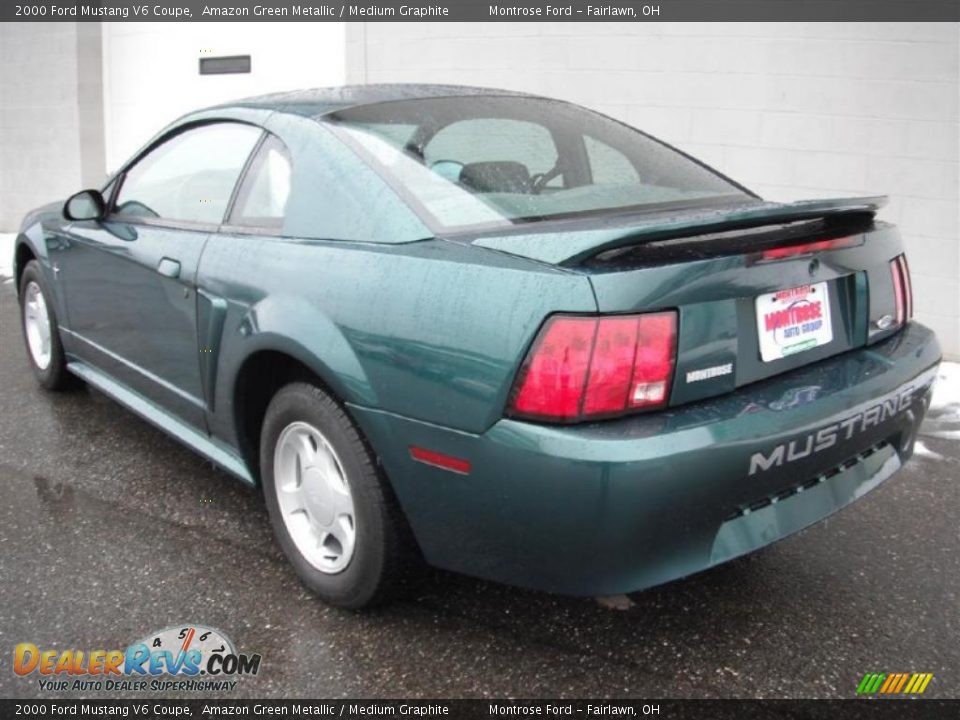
(226, 65)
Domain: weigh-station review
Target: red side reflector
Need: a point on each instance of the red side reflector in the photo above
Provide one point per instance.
(447, 462)
(807, 248)
(590, 367)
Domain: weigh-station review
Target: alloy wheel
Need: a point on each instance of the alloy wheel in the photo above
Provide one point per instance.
(36, 321)
(314, 496)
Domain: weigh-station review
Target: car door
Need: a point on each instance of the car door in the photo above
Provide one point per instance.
(130, 279)
(256, 217)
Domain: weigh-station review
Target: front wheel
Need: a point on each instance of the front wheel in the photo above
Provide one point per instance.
(41, 331)
(330, 508)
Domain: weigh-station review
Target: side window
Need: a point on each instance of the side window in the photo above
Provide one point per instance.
(262, 199)
(609, 166)
(492, 154)
(189, 177)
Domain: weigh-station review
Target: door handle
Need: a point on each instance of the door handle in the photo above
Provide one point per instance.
(169, 267)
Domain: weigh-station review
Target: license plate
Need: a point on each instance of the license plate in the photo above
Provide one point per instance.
(794, 320)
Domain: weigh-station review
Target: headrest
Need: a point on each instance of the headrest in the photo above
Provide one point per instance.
(496, 176)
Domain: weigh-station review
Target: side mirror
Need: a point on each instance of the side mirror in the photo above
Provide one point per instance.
(85, 205)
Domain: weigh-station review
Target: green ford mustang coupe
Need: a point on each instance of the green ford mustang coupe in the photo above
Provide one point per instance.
(494, 332)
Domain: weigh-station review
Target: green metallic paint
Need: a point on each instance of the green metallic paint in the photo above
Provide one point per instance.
(559, 248)
(211, 315)
(784, 517)
(39, 243)
(422, 338)
(400, 356)
(620, 505)
(110, 270)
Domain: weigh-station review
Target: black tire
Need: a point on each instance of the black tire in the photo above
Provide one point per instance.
(55, 375)
(384, 554)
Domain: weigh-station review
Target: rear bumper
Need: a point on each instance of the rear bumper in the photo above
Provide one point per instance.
(618, 506)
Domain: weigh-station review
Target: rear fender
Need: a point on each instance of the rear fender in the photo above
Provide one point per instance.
(276, 324)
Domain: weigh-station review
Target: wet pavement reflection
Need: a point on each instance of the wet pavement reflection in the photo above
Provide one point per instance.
(110, 530)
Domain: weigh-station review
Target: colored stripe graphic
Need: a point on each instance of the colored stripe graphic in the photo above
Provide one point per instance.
(891, 681)
(870, 683)
(894, 683)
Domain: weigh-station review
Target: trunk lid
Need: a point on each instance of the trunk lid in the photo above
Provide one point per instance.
(726, 272)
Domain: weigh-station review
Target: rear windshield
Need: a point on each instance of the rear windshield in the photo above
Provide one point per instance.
(466, 163)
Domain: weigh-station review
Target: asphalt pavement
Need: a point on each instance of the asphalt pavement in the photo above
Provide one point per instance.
(110, 530)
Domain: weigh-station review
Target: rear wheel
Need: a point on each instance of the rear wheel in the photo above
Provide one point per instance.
(41, 331)
(330, 508)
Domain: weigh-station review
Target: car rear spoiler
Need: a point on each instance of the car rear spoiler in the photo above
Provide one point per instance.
(564, 245)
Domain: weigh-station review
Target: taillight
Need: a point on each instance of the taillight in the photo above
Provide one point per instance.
(902, 289)
(811, 247)
(556, 369)
(590, 367)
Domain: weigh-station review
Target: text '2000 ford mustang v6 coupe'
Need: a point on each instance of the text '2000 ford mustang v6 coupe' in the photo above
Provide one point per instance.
(496, 332)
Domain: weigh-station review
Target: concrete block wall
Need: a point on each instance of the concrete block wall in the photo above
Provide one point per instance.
(51, 136)
(792, 110)
(151, 70)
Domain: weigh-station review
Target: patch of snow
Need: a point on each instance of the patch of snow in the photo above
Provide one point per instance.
(922, 450)
(946, 391)
(615, 602)
(943, 418)
(6, 254)
(945, 434)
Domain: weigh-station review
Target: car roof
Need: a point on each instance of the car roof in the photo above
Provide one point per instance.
(315, 102)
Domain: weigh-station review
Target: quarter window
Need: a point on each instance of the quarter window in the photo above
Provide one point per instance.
(189, 177)
(262, 199)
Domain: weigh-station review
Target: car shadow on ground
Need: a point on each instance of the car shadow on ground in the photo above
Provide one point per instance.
(110, 529)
